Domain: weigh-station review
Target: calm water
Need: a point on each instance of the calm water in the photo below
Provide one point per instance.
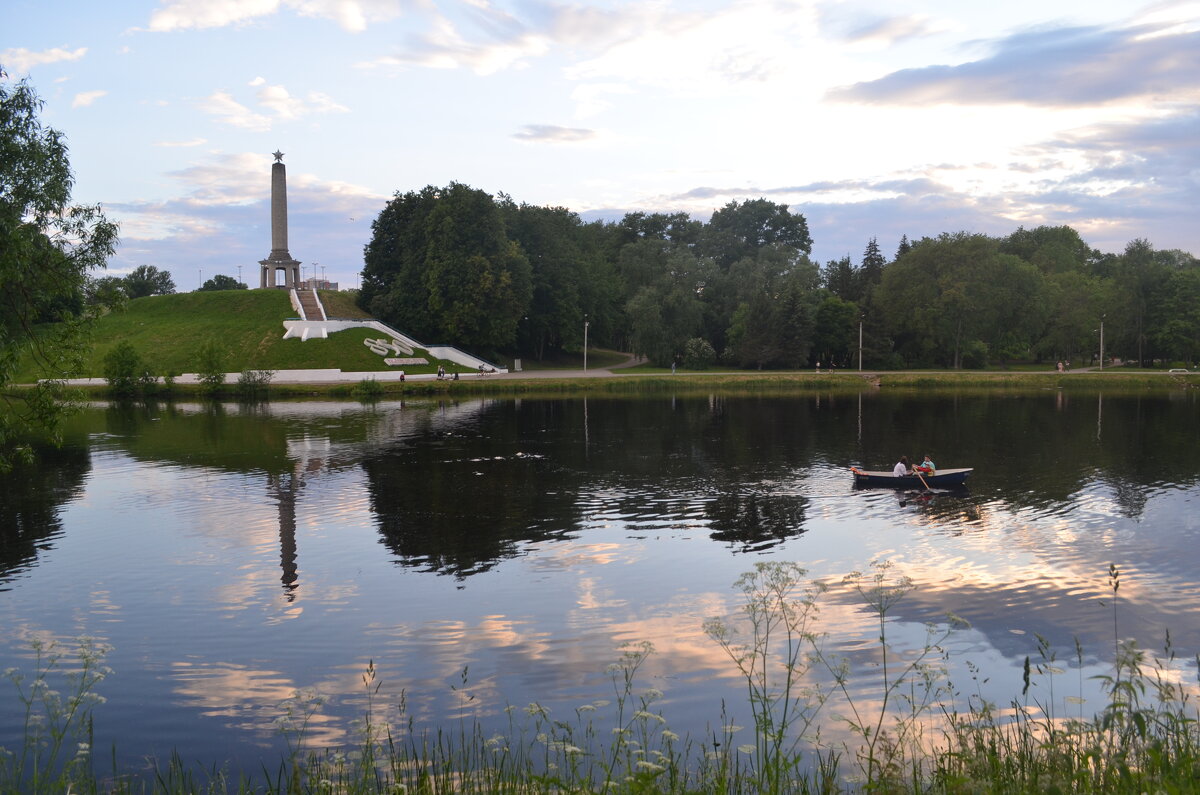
(232, 556)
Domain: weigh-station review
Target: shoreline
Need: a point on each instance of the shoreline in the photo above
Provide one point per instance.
(605, 380)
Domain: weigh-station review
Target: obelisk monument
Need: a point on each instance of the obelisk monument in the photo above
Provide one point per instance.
(279, 258)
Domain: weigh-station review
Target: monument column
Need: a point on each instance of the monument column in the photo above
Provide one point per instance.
(279, 258)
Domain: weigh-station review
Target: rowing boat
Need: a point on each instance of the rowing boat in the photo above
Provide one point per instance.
(942, 478)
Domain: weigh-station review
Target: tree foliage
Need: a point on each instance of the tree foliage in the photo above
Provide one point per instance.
(221, 282)
(47, 249)
(441, 264)
(453, 264)
(146, 280)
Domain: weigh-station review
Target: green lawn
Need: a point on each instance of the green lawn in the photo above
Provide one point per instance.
(167, 331)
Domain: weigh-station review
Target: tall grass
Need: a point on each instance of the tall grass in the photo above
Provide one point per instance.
(812, 731)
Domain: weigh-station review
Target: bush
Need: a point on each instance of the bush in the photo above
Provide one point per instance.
(211, 360)
(368, 389)
(124, 370)
(975, 355)
(698, 354)
(254, 383)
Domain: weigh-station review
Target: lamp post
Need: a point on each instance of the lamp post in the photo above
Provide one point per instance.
(860, 325)
(585, 328)
(239, 274)
(1102, 341)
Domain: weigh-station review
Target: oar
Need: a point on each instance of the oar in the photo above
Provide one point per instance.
(923, 483)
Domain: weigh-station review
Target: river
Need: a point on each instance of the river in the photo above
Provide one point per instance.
(496, 552)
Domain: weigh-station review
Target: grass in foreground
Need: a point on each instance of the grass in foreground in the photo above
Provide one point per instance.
(913, 733)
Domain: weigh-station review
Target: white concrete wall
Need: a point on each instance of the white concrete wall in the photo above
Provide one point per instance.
(313, 329)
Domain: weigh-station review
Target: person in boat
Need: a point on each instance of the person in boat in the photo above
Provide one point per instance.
(901, 469)
(926, 467)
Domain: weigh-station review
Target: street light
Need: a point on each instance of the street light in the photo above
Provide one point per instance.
(585, 328)
(861, 342)
(1102, 341)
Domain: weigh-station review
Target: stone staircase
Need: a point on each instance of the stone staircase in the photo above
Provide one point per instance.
(310, 304)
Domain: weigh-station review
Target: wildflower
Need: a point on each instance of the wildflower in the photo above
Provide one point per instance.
(730, 728)
(642, 764)
(537, 709)
(644, 715)
(600, 703)
(541, 738)
(746, 749)
(653, 694)
(586, 708)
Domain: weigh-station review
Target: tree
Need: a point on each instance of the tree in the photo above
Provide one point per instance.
(550, 239)
(125, 371)
(148, 280)
(440, 265)
(841, 279)
(1052, 249)
(47, 249)
(836, 332)
(871, 272)
(220, 282)
(952, 290)
(740, 230)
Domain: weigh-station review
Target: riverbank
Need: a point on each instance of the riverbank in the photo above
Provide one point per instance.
(618, 380)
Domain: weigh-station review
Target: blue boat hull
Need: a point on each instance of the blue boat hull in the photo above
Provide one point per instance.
(942, 479)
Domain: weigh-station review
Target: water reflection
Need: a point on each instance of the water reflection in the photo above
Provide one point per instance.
(233, 553)
(31, 499)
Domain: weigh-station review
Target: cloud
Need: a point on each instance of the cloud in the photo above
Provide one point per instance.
(1052, 67)
(485, 40)
(227, 110)
(350, 15)
(553, 134)
(85, 98)
(277, 101)
(19, 60)
(219, 218)
(883, 32)
(590, 98)
(192, 142)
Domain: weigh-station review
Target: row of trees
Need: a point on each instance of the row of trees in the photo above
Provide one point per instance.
(458, 265)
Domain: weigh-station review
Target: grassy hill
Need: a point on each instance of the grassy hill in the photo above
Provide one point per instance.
(167, 330)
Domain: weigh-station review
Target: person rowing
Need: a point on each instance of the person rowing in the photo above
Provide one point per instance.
(926, 467)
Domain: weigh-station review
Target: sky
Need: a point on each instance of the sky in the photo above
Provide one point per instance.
(872, 118)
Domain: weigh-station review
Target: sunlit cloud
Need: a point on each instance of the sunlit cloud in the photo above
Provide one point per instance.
(19, 60)
(86, 98)
(351, 15)
(549, 133)
(888, 31)
(277, 101)
(227, 110)
(192, 142)
(1051, 67)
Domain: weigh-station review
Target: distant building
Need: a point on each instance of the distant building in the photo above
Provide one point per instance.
(314, 283)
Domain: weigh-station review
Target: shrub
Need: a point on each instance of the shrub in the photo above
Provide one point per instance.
(698, 354)
(124, 370)
(368, 389)
(211, 359)
(254, 383)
